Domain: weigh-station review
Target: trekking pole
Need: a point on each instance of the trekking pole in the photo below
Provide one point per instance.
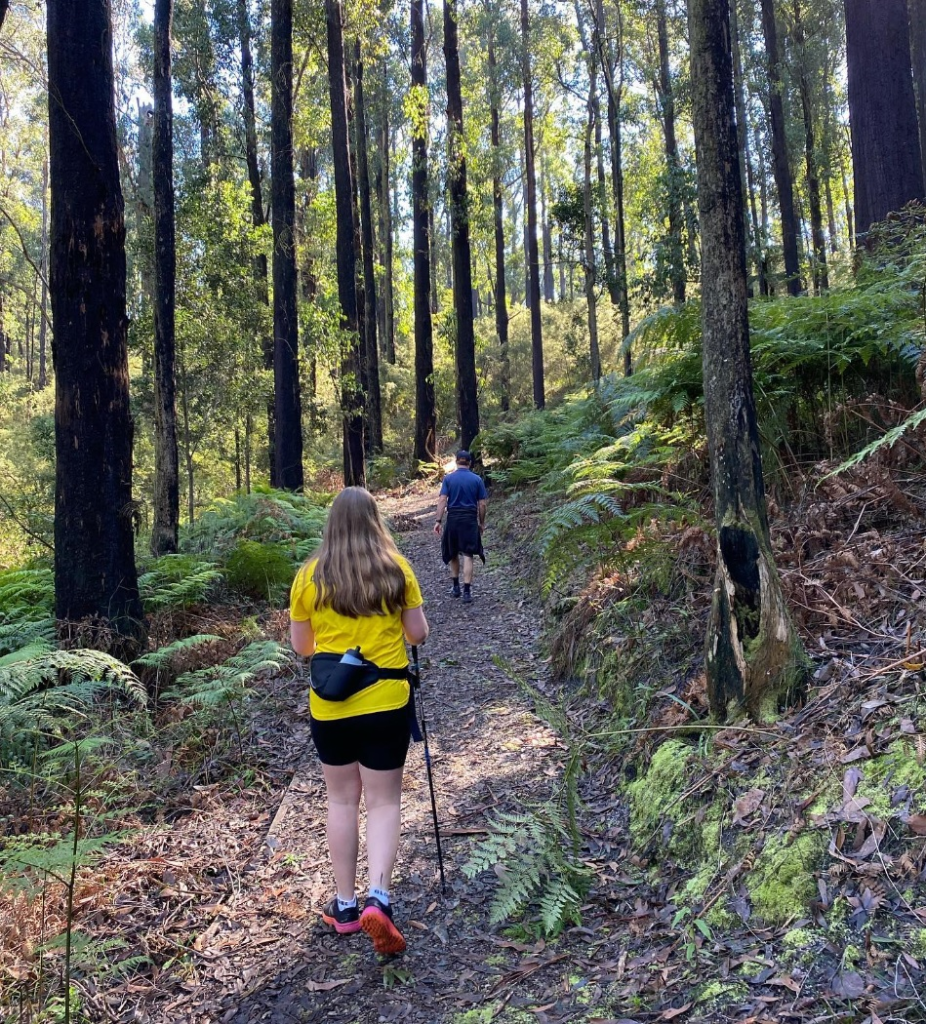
(416, 673)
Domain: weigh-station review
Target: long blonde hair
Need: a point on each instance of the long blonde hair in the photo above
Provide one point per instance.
(357, 572)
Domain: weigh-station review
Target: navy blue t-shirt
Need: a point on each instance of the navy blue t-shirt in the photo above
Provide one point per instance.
(463, 488)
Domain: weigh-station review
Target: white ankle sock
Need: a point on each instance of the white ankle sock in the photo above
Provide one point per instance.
(381, 894)
(346, 904)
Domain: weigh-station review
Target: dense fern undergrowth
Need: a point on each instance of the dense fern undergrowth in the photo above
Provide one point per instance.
(85, 738)
(742, 828)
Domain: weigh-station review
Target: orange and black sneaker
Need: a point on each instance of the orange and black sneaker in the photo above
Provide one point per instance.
(376, 921)
(342, 919)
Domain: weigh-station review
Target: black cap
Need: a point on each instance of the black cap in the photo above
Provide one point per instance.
(464, 456)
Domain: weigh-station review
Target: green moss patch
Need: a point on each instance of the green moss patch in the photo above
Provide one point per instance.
(883, 776)
(782, 883)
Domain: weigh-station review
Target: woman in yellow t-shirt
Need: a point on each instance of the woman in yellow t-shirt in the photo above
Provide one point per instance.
(358, 591)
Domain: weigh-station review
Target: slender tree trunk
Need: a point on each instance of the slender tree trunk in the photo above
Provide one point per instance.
(308, 168)
(467, 400)
(613, 69)
(666, 95)
(258, 217)
(166, 519)
(501, 299)
(589, 261)
(820, 273)
(533, 260)
(288, 402)
(425, 410)
(782, 162)
(352, 396)
(545, 237)
(95, 571)
(3, 366)
(753, 657)
(374, 438)
(388, 297)
(850, 219)
(4, 7)
(917, 11)
(43, 325)
(882, 108)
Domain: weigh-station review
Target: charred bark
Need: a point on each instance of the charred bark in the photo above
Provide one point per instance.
(95, 573)
(885, 137)
(425, 410)
(465, 348)
(752, 655)
(784, 181)
(166, 524)
(287, 396)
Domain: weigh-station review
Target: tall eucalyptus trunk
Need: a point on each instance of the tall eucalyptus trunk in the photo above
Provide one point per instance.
(784, 182)
(352, 410)
(752, 654)
(917, 11)
(501, 299)
(287, 396)
(533, 259)
(166, 519)
(258, 216)
(95, 574)
(465, 347)
(666, 95)
(425, 408)
(374, 430)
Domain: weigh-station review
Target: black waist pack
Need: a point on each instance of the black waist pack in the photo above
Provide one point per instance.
(333, 679)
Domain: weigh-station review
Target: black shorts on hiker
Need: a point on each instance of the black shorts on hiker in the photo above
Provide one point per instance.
(461, 536)
(378, 741)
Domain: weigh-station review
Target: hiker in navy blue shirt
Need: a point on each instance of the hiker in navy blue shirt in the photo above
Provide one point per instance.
(463, 497)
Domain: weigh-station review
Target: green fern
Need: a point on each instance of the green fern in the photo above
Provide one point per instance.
(220, 684)
(178, 581)
(535, 856)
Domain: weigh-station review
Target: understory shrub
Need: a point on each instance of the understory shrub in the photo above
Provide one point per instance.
(261, 571)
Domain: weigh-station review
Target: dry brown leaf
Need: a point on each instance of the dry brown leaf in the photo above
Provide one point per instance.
(326, 986)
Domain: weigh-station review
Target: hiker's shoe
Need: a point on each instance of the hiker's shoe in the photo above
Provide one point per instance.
(376, 921)
(455, 590)
(467, 596)
(344, 920)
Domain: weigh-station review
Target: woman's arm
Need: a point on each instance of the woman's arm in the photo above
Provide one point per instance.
(302, 637)
(415, 625)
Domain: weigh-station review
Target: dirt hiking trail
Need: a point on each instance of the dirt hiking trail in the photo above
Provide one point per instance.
(267, 957)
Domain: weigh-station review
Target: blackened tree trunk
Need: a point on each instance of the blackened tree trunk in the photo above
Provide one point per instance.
(666, 97)
(917, 9)
(258, 217)
(467, 400)
(385, 196)
(501, 298)
(546, 238)
(4, 7)
(374, 428)
(752, 654)
(288, 403)
(95, 571)
(425, 409)
(882, 108)
(820, 273)
(352, 410)
(166, 519)
(533, 259)
(43, 324)
(784, 181)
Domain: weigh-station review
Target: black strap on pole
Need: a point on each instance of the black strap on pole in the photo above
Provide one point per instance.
(416, 683)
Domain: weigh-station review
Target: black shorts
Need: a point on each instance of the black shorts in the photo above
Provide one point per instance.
(378, 741)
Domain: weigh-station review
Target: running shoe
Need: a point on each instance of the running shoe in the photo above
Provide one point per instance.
(376, 921)
(467, 596)
(455, 590)
(342, 921)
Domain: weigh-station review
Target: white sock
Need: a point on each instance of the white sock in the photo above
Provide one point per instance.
(381, 894)
(347, 904)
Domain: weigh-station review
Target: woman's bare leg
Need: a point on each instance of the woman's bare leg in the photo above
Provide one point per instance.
(382, 795)
(344, 786)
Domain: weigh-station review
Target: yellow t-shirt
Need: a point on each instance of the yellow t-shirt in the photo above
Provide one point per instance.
(379, 637)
